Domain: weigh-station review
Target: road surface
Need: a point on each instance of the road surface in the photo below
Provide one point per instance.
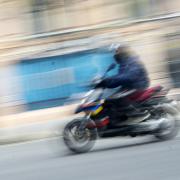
(111, 159)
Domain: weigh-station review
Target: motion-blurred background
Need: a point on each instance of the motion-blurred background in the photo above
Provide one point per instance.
(48, 48)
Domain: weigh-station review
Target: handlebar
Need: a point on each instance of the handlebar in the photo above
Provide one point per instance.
(98, 80)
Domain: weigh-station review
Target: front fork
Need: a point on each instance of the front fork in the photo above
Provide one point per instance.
(84, 123)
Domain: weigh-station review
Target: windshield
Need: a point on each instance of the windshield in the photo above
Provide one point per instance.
(93, 95)
(97, 94)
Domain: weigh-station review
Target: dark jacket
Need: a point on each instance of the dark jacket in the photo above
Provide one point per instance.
(131, 75)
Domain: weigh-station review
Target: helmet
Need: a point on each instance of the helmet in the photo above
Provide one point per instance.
(113, 47)
(121, 52)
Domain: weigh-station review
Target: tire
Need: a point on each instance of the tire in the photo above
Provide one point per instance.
(74, 143)
(168, 132)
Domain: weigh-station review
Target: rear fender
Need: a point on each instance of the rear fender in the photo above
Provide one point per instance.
(170, 108)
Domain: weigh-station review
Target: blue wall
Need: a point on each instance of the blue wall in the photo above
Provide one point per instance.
(59, 77)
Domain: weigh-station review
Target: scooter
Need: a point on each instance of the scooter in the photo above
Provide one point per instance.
(159, 116)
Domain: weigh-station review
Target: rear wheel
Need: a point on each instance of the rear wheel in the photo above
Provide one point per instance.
(79, 141)
(169, 129)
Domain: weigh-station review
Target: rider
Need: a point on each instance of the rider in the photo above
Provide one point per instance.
(131, 75)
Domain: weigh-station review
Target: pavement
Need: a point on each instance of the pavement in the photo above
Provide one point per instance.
(34, 125)
(111, 159)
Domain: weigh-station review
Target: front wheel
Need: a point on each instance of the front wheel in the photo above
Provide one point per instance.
(79, 141)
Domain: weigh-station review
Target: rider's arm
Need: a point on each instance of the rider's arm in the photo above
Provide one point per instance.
(115, 81)
(130, 75)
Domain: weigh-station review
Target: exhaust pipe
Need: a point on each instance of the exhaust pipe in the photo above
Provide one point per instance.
(148, 127)
(151, 125)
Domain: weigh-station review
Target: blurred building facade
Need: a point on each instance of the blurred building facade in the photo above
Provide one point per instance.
(37, 37)
(38, 16)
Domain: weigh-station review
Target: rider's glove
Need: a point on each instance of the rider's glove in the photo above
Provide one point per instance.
(102, 84)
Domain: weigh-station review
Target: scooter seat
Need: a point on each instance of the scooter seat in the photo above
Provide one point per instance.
(143, 95)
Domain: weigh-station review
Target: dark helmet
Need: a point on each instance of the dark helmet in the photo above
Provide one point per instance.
(121, 54)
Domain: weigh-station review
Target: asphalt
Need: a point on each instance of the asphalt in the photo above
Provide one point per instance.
(112, 159)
